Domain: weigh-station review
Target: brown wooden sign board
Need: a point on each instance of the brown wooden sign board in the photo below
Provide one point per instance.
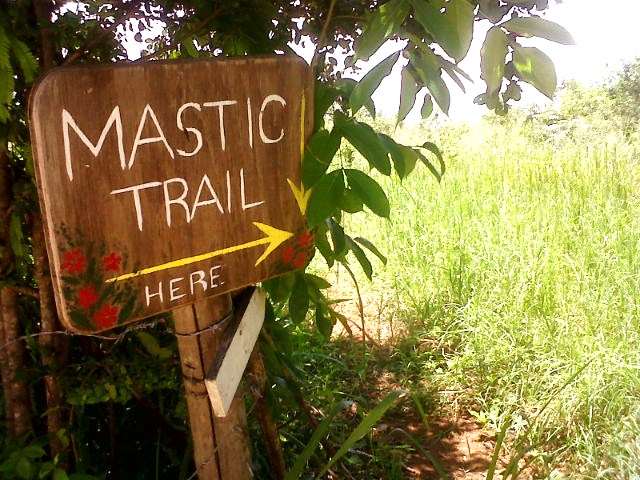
(164, 183)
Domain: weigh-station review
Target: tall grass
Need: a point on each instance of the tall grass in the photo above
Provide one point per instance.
(526, 260)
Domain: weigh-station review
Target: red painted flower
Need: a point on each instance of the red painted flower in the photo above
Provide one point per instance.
(73, 261)
(107, 317)
(288, 254)
(87, 297)
(112, 262)
(305, 239)
(300, 260)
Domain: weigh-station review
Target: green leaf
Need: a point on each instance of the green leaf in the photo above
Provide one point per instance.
(371, 81)
(372, 248)
(319, 433)
(535, 68)
(433, 148)
(24, 468)
(59, 474)
(322, 244)
(450, 22)
(366, 141)
(325, 197)
(33, 451)
(16, 237)
(369, 191)
(324, 322)
(363, 428)
(404, 158)
(427, 66)
(379, 27)
(26, 60)
(453, 71)
(317, 281)
(5, 48)
(151, 345)
(409, 89)
(427, 107)
(513, 92)
(280, 287)
(351, 202)
(539, 27)
(299, 300)
(338, 238)
(492, 58)
(493, 10)
(324, 97)
(364, 262)
(318, 154)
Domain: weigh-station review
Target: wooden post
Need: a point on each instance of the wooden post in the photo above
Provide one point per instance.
(220, 445)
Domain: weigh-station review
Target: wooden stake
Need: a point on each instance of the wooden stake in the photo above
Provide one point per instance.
(220, 445)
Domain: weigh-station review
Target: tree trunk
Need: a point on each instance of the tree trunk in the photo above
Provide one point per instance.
(54, 348)
(12, 355)
(20, 405)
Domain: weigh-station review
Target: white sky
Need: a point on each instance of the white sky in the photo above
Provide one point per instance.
(607, 33)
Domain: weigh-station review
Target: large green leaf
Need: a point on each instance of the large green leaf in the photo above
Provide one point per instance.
(539, 27)
(380, 26)
(324, 96)
(366, 141)
(338, 238)
(427, 66)
(324, 322)
(369, 190)
(492, 58)
(404, 158)
(318, 154)
(364, 262)
(409, 88)
(493, 10)
(325, 197)
(299, 300)
(371, 81)
(535, 68)
(372, 248)
(450, 22)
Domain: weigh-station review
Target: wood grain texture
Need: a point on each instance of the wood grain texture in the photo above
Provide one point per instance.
(221, 445)
(156, 181)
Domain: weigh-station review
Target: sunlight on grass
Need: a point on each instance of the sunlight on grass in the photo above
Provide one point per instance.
(524, 259)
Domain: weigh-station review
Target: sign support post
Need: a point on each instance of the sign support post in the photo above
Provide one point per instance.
(220, 444)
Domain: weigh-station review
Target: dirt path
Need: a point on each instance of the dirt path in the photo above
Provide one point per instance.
(452, 439)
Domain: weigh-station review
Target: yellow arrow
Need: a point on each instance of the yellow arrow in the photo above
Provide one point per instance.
(274, 239)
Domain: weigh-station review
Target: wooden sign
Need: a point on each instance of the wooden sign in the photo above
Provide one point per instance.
(167, 182)
(224, 376)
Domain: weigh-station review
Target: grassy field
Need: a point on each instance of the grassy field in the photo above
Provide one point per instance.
(521, 269)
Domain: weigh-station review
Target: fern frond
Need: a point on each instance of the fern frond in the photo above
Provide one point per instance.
(5, 47)
(26, 60)
(7, 85)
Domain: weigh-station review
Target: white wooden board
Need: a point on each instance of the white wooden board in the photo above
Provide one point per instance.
(224, 377)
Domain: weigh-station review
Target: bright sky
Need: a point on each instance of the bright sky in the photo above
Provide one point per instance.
(607, 33)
